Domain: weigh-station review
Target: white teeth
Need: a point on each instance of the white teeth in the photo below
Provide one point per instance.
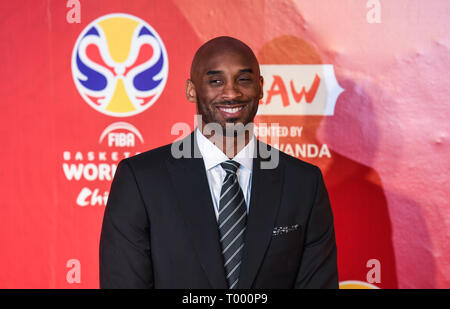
(231, 110)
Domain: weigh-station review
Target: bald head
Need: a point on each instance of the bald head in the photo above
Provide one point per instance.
(225, 82)
(220, 46)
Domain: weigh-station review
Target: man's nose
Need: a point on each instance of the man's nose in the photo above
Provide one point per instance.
(230, 92)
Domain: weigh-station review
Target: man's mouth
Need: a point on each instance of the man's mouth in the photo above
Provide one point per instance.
(229, 109)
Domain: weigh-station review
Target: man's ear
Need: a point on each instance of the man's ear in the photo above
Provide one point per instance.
(191, 94)
(261, 84)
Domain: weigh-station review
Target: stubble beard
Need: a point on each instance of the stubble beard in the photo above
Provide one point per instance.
(230, 128)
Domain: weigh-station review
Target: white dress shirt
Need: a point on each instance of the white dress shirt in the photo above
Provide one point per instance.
(213, 156)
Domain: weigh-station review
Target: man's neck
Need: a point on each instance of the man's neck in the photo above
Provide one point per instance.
(230, 145)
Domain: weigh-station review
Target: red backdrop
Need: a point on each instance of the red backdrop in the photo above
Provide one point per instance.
(358, 88)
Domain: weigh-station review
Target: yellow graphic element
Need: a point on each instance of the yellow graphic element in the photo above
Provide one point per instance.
(119, 33)
(120, 102)
(354, 284)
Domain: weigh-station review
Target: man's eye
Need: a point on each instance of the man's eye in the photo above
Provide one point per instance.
(215, 82)
(244, 80)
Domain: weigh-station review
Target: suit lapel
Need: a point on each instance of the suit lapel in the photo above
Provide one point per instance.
(264, 203)
(191, 186)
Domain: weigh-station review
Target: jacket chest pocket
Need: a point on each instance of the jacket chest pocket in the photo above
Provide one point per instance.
(284, 252)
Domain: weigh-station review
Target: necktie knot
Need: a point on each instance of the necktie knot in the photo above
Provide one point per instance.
(230, 166)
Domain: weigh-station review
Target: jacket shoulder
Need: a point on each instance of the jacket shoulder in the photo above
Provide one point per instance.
(293, 164)
(149, 159)
(298, 163)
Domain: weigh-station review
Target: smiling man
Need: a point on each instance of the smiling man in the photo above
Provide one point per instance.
(219, 219)
(226, 85)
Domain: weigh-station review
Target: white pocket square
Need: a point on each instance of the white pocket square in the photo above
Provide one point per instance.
(284, 229)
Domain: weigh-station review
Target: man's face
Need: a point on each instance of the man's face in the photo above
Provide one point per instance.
(227, 87)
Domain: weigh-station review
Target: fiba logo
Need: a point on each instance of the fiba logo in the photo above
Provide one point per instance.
(126, 138)
(119, 65)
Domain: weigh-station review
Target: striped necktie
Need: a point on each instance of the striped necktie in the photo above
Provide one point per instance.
(232, 222)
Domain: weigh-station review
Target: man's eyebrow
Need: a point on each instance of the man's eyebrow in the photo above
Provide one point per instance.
(212, 72)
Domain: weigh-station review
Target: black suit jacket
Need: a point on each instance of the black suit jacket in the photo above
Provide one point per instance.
(160, 230)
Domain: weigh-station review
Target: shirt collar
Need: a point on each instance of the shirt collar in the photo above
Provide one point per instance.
(212, 155)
